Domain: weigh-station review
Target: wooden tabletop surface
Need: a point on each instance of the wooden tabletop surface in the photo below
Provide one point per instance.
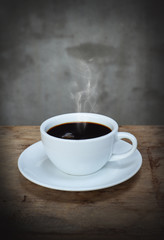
(131, 210)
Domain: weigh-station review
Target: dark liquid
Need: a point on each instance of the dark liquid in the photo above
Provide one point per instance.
(79, 130)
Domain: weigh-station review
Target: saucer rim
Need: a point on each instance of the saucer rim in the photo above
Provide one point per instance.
(74, 189)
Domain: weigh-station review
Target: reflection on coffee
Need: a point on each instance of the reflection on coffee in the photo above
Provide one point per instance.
(79, 130)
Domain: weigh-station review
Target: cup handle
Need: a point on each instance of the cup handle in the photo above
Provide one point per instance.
(121, 135)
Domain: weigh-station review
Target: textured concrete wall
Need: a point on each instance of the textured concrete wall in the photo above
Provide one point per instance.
(105, 56)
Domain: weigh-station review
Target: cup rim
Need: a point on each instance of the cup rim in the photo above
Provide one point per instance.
(48, 120)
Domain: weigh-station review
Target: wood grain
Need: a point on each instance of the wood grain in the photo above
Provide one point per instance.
(131, 210)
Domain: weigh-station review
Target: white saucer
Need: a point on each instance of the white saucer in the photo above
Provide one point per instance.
(36, 167)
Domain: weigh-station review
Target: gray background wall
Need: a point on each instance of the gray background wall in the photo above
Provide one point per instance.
(110, 53)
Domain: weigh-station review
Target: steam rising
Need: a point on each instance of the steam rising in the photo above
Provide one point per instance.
(84, 84)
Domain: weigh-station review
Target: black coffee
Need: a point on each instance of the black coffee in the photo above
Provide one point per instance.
(79, 130)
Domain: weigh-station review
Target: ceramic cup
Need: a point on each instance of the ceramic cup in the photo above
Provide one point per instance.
(85, 156)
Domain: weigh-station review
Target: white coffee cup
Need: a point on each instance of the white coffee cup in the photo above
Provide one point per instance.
(84, 156)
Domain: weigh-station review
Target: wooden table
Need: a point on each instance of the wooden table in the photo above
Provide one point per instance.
(131, 210)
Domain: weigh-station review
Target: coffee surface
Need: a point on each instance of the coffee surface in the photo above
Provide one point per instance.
(79, 130)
